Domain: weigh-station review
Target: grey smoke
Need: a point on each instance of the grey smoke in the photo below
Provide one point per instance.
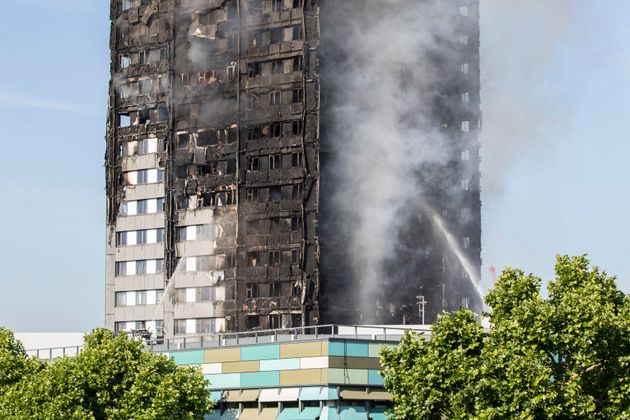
(385, 132)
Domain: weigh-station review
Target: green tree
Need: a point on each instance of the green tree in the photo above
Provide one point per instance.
(562, 357)
(113, 377)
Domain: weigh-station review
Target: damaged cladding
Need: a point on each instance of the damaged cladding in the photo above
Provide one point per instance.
(213, 176)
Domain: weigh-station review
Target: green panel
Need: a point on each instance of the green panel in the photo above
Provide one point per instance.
(280, 364)
(348, 348)
(330, 413)
(260, 352)
(309, 413)
(348, 376)
(375, 378)
(188, 357)
(224, 380)
(256, 379)
(375, 349)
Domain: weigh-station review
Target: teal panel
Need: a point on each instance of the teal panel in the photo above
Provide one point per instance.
(230, 414)
(188, 357)
(329, 413)
(256, 379)
(353, 413)
(318, 393)
(260, 352)
(214, 415)
(348, 348)
(379, 414)
(348, 376)
(280, 364)
(224, 380)
(309, 413)
(375, 378)
(216, 395)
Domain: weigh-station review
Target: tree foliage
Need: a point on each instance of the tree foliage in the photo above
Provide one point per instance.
(565, 356)
(111, 378)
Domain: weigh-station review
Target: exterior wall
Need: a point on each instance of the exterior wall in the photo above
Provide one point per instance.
(306, 379)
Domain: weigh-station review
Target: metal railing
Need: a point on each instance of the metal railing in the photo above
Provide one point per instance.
(215, 340)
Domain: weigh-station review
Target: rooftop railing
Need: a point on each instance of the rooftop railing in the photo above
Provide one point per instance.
(278, 335)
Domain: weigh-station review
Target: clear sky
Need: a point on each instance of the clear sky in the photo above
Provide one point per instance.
(555, 165)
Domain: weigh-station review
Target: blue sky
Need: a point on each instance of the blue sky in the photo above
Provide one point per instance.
(555, 147)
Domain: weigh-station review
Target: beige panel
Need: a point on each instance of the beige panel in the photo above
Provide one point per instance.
(380, 396)
(302, 377)
(141, 282)
(312, 349)
(140, 252)
(340, 362)
(145, 221)
(134, 163)
(143, 192)
(247, 395)
(222, 355)
(354, 394)
(238, 367)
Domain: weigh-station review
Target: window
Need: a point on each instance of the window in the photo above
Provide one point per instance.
(463, 11)
(465, 184)
(466, 243)
(297, 32)
(466, 126)
(254, 164)
(464, 68)
(182, 140)
(296, 224)
(274, 258)
(124, 61)
(275, 97)
(142, 57)
(295, 256)
(466, 214)
(296, 192)
(276, 5)
(126, 4)
(296, 128)
(121, 299)
(297, 95)
(298, 63)
(124, 120)
(297, 4)
(275, 193)
(277, 67)
(466, 155)
(275, 161)
(463, 39)
(466, 97)
(141, 298)
(252, 102)
(251, 290)
(253, 321)
(296, 159)
(252, 259)
(275, 289)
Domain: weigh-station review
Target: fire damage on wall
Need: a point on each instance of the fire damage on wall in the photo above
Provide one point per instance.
(214, 137)
(233, 99)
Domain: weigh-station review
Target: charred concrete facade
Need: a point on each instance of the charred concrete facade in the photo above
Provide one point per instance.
(215, 215)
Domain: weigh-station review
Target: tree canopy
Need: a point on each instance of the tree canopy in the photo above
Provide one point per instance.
(113, 377)
(559, 357)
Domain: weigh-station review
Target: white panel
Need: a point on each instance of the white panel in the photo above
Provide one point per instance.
(219, 293)
(191, 233)
(151, 176)
(152, 236)
(131, 238)
(220, 324)
(269, 395)
(151, 266)
(289, 394)
(131, 298)
(132, 177)
(211, 368)
(191, 326)
(132, 208)
(152, 145)
(191, 295)
(314, 362)
(151, 300)
(191, 264)
(131, 268)
(152, 206)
